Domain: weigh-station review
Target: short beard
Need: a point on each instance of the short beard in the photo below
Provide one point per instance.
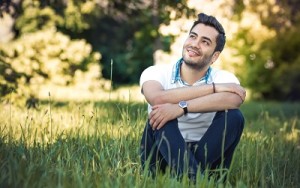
(198, 65)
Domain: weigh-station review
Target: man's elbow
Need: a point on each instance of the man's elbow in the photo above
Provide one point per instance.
(158, 100)
(155, 100)
(239, 102)
(236, 101)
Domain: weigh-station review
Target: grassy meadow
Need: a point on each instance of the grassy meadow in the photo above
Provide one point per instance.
(96, 144)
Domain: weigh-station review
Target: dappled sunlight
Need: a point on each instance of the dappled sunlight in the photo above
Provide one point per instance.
(288, 133)
(48, 124)
(291, 134)
(254, 136)
(80, 92)
(257, 31)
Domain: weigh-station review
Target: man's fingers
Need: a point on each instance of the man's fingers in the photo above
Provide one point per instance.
(243, 94)
(161, 124)
(155, 120)
(159, 115)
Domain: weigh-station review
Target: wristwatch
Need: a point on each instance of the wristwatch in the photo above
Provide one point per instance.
(183, 105)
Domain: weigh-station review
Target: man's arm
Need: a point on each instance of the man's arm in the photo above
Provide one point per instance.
(200, 99)
(155, 94)
(163, 113)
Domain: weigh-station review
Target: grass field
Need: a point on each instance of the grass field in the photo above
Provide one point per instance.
(96, 144)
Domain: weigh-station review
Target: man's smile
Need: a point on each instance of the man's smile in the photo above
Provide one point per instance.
(192, 52)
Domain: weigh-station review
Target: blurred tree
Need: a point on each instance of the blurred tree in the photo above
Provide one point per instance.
(5, 7)
(8, 76)
(125, 31)
(40, 54)
(34, 18)
(42, 57)
(271, 54)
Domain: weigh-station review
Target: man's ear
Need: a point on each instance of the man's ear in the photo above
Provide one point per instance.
(215, 56)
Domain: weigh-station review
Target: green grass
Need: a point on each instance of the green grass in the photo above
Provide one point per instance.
(96, 144)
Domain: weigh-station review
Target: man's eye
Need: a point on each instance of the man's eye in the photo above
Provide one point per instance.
(206, 43)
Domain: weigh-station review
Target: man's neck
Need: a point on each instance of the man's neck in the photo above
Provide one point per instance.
(191, 75)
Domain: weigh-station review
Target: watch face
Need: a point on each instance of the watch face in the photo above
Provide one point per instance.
(183, 104)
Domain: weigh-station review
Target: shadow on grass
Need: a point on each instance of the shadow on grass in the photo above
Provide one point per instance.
(90, 161)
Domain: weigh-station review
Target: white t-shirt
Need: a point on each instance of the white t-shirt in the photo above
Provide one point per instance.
(193, 125)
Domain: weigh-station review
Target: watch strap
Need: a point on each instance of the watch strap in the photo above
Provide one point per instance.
(185, 110)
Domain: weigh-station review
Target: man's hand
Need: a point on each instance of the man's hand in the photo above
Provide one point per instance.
(233, 88)
(163, 113)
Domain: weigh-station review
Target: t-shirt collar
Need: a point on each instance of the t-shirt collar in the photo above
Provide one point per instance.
(176, 74)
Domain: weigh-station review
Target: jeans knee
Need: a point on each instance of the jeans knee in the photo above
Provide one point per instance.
(170, 125)
(236, 114)
(169, 130)
(235, 118)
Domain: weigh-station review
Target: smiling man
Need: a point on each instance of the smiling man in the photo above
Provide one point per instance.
(194, 118)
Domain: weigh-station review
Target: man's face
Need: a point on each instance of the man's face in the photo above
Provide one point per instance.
(198, 49)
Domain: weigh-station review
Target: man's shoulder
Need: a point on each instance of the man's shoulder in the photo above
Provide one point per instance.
(216, 71)
(161, 73)
(162, 65)
(223, 76)
(160, 68)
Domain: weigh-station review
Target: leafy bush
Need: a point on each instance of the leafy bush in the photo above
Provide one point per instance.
(43, 57)
(273, 72)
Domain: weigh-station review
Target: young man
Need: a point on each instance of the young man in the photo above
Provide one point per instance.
(194, 122)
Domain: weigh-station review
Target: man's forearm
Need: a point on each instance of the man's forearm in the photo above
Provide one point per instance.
(162, 113)
(214, 102)
(155, 94)
(183, 93)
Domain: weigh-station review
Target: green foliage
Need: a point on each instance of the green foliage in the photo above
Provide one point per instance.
(45, 56)
(125, 31)
(128, 33)
(35, 18)
(8, 77)
(97, 145)
(278, 70)
(271, 69)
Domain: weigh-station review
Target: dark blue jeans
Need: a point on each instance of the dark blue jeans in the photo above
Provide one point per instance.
(167, 148)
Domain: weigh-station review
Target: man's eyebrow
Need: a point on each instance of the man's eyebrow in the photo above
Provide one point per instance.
(193, 33)
(207, 38)
(204, 37)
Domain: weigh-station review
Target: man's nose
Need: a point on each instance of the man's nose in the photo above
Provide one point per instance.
(196, 44)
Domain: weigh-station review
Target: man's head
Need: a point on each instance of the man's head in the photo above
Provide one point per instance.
(204, 44)
(213, 22)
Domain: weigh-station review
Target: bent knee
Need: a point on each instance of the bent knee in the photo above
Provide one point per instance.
(236, 117)
(236, 114)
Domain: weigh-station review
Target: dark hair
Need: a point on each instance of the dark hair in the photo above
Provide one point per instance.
(213, 22)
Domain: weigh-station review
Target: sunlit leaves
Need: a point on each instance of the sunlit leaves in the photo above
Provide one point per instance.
(47, 56)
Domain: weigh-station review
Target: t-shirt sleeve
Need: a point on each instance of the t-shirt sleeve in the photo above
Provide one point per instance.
(153, 73)
(223, 76)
